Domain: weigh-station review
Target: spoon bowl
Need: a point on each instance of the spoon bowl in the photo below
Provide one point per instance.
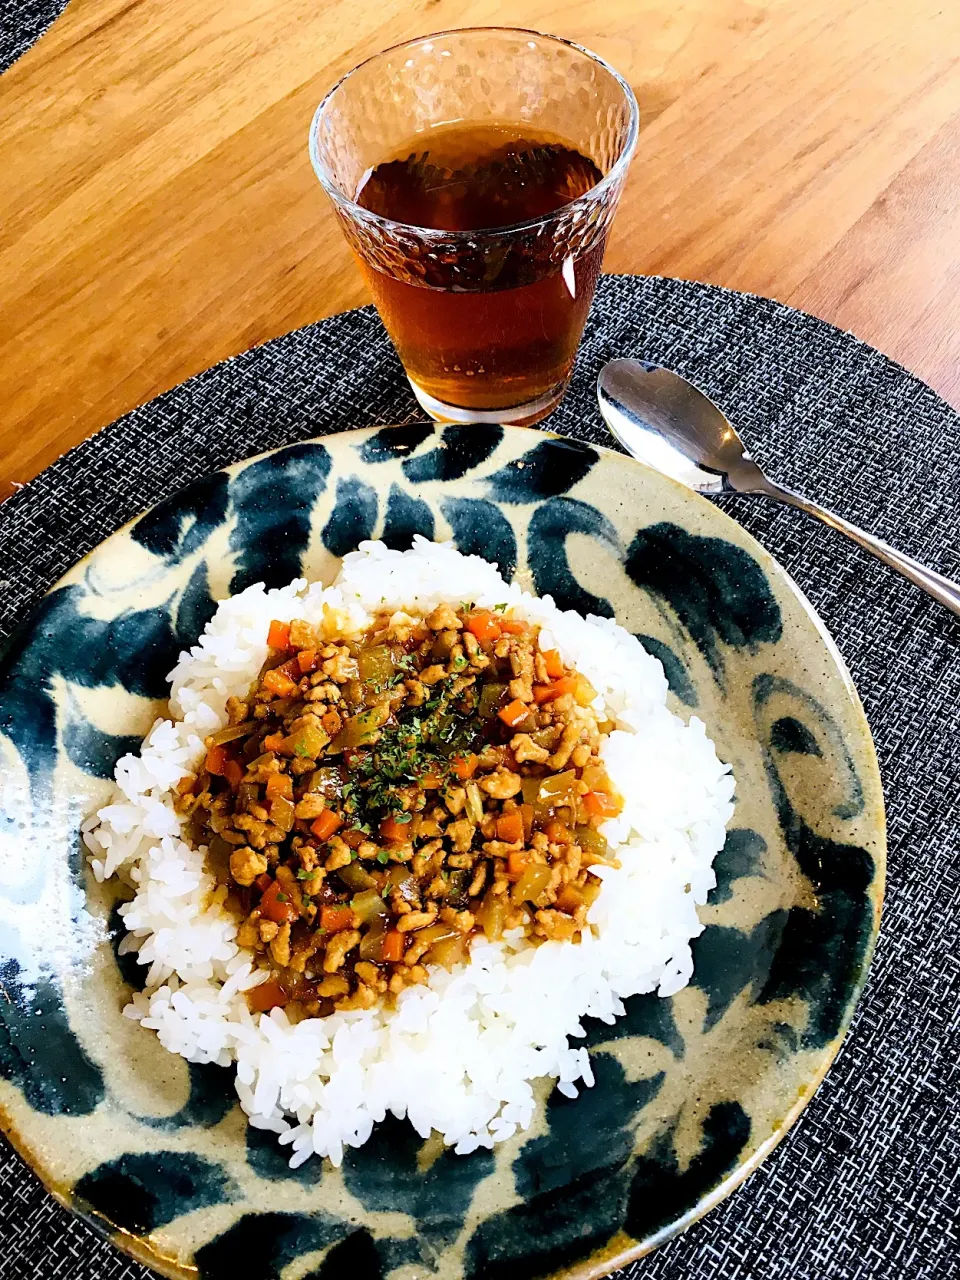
(668, 423)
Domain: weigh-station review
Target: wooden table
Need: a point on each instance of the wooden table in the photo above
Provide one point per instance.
(158, 211)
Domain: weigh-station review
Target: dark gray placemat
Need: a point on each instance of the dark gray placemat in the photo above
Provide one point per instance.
(22, 23)
(867, 1185)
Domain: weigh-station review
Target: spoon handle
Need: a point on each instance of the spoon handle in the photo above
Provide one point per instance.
(935, 584)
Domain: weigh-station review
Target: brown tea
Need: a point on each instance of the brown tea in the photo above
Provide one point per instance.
(495, 322)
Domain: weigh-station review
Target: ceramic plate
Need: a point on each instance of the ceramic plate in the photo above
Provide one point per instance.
(692, 1092)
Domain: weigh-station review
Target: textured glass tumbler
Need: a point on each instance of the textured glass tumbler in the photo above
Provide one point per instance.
(487, 320)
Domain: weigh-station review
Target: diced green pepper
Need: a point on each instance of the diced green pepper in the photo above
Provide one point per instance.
(371, 944)
(474, 803)
(248, 793)
(457, 887)
(362, 728)
(326, 782)
(231, 732)
(282, 813)
(308, 741)
(435, 933)
(356, 878)
(218, 852)
(531, 884)
(376, 665)
(530, 788)
(590, 838)
(490, 700)
(442, 645)
(447, 952)
(491, 915)
(559, 788)
(400, 877)
(369, 906)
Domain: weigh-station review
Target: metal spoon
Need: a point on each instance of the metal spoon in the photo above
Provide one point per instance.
(664, 421)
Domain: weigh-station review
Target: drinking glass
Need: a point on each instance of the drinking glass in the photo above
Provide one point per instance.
(486, 319)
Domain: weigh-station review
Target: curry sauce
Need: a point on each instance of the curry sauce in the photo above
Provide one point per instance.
(377, 802)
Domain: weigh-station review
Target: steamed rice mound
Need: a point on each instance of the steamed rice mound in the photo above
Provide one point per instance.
(458, 1054)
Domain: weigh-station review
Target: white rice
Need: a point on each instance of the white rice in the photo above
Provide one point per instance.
(459, 1054)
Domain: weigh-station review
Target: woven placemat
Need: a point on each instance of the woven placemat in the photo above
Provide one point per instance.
(22, 23)
(867, 1184)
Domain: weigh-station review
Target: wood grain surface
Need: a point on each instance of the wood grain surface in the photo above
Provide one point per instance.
(158, 211)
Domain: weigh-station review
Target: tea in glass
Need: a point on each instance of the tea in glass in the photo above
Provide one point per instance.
(480, 231)
(510, 340)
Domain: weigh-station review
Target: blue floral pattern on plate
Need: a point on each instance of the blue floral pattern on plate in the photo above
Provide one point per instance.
(692, 1092)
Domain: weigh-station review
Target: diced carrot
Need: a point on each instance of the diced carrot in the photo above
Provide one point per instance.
(391, 829)
(566, 684)
(216, 760)
(612, 804)
(465, 766)
(273, 742)
(276, 906)
(599, 805)
(291, 670)
(556, 832)
(331, 722)
(548, 692)
(512, 626)
(485, 626)
(514, 713)
(391, 952)
(233, 771)
(263, 882)
(430, 782)
(279, 786)
(269, 995)
(278, 637)
(327, 823)
(333, 919)
(307, 661)
(517, 863)
(510, 827)
(553, 662)
(223, 764)
(279, 683)
(591, 803)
